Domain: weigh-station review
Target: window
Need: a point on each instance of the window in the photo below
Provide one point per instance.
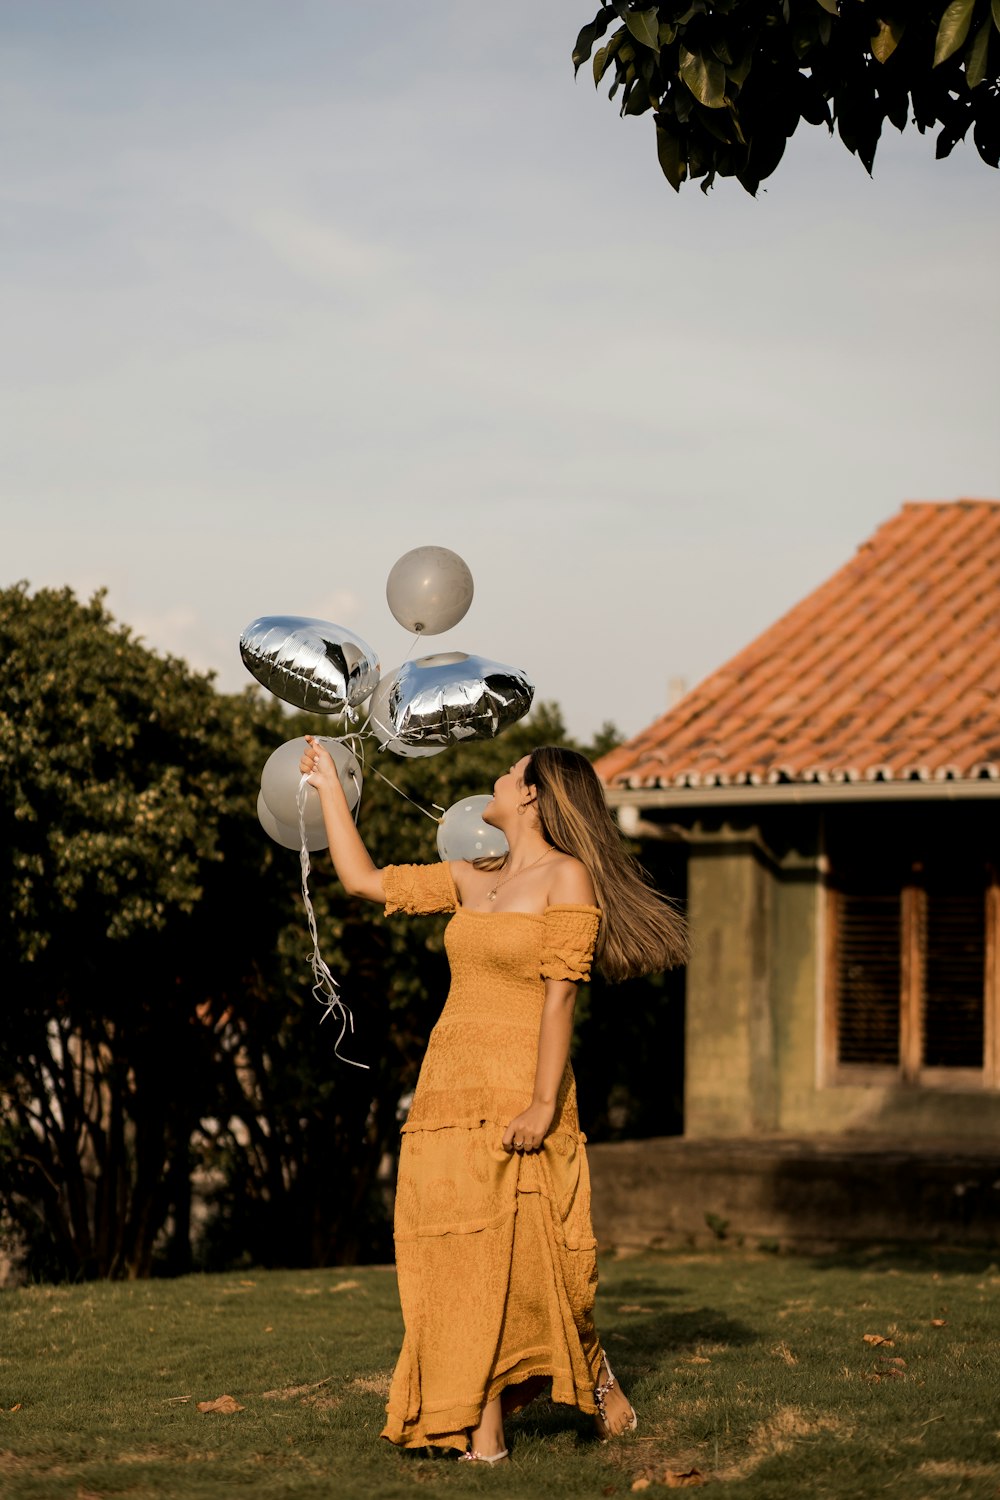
(912, 981)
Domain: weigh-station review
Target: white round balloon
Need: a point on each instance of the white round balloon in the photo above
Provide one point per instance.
(279, 781)
(429, 590)
(462, 834)
(284, 833)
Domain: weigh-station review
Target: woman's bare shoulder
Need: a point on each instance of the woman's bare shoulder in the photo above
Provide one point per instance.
(461, 870)
(570, 883)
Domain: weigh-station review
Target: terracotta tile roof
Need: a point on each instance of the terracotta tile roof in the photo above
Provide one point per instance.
(888, 671)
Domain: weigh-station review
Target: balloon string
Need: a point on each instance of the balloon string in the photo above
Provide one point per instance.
(357, 740)
(395, 788)
(325, 986)
(356, 745)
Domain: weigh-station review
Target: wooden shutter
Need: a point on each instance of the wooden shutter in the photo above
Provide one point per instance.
(954, 980)
(868, 978)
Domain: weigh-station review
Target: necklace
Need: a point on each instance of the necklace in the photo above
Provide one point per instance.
(504, 879)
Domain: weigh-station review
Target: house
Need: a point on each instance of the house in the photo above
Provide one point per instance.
(836, 786)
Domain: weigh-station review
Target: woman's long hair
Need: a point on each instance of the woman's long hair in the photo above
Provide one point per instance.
(641, 930)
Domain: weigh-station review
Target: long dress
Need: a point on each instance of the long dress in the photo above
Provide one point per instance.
(495, 1253)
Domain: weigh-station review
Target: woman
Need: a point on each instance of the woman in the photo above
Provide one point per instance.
(495, 1254)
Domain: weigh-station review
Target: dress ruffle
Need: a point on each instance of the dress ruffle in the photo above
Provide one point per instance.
(418, 890)
(570, 933)
(497, 1270)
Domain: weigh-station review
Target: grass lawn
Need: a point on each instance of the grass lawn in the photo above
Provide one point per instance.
(752, 1374)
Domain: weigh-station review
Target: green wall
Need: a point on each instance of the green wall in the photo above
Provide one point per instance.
(754, 999)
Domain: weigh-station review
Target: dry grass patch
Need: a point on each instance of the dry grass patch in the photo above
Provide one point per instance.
(789, 1425)
(376, 1385)
(955, 1469)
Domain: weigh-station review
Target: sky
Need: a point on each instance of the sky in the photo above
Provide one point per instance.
(291, 289)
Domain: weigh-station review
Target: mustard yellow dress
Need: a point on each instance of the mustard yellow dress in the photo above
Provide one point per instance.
(495, 1254)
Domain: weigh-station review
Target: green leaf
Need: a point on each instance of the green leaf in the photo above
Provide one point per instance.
(684, 105)
(604, 56)
(953, 30)
(721, 49)
(705, 77)
(886, 39)
(833, 6)
(645, 27)
(987, 139)
(718, 123)
(737, 73)
(668, 151)
(588, 36)
(996, 14)
(975, 58)
(639, 100)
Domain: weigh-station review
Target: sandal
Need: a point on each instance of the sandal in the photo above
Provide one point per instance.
(473, 1456)
(600, 1391)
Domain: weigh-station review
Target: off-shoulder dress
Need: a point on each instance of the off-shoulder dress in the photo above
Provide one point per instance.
(495, 1254)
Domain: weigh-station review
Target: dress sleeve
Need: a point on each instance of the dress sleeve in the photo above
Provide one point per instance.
(418, 889)
(568, 942)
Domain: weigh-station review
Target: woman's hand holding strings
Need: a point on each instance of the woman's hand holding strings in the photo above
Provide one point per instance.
(318, 767)
(355, 868)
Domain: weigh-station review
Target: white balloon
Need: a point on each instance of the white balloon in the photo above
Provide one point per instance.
(462, 834)
(279, 781)
(284, 833)
(381, 723)
(429, 590)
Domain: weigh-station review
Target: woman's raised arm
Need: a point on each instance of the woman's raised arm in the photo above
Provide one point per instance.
(356, 870)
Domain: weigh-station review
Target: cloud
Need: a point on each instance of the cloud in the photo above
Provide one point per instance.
(324, 252)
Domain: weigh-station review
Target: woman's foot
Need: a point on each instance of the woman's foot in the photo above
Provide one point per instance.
(486, 1442)
(615, 1414)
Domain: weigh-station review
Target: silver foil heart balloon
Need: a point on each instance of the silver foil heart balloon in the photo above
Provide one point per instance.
(443, 699)
(312, 664)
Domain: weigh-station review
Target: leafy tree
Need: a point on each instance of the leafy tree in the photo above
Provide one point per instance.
(728, 81)
(607, 738)
(161, 1049)
(124, 861)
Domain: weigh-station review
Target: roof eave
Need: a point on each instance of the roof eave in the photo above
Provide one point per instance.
(800, 792)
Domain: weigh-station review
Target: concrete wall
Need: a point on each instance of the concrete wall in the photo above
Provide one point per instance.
(754, 1001)
(811, 1194)
(729, 1084)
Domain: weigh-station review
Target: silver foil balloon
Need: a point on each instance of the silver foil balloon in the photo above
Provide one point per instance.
(311, 664)
(438, 700)
(381, 728)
